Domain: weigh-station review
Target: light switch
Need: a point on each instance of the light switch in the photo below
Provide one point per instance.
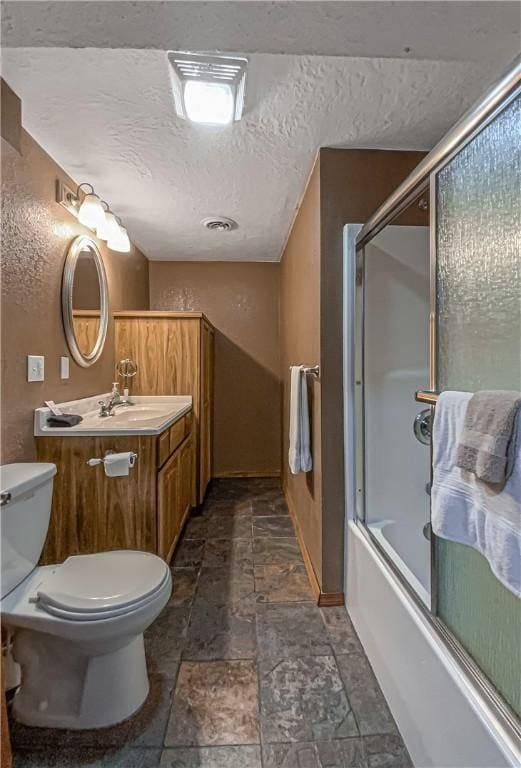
(64, 367)
(35, 367)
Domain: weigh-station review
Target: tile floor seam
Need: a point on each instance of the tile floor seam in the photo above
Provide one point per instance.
(336, 654)
(167, 718)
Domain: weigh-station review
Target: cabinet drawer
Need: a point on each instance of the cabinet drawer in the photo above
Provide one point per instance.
(172, 438)
(177, 434)
(163, 448)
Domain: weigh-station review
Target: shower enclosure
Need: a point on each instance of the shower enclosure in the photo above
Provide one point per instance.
(396, 364)
(437, 306)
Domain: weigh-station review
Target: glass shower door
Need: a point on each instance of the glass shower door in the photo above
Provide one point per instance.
(478, 264)
(395, 365)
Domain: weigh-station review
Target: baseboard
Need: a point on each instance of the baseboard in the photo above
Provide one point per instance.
(240, 473)
(324, 599)
(330, 599)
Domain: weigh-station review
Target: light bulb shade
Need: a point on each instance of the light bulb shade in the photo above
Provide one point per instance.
(91, 212)
(108, 228)
(211, 103)
(119, 241)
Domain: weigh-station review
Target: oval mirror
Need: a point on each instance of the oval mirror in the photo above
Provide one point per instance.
(84, 301)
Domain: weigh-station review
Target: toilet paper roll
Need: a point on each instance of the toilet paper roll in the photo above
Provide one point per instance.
(119, 464)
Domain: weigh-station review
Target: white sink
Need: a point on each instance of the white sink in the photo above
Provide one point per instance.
(137, 414)
(146, 416)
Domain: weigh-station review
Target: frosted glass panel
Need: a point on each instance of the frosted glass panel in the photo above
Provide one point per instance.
(479, 262)
(478, 236)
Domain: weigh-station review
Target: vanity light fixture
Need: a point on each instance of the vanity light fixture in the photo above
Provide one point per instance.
(207, 88)
(94, 214)
(108, 228)
(119, 241)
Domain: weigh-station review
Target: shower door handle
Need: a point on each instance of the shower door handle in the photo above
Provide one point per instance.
(422, 426)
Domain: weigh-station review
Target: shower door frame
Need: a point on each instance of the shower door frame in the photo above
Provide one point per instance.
(423, 178)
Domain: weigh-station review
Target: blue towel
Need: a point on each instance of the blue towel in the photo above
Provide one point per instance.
(469, 511)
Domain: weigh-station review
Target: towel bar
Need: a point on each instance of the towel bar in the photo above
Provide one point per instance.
(314, 370)
(431, 398)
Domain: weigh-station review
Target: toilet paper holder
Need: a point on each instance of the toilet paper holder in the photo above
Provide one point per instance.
(95, 462)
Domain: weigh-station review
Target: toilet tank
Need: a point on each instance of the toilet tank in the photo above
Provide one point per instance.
(25, 510)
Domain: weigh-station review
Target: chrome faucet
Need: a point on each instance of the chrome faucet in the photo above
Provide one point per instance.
(115, 399)
(107, 409)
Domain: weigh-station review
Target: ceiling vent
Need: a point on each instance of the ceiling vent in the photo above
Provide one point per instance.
(219, 224)
(208, 89)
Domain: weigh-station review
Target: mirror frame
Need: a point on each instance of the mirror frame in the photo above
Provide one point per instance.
(79, 244)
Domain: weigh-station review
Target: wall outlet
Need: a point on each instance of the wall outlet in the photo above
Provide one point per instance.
(64, 367)
(35, 367)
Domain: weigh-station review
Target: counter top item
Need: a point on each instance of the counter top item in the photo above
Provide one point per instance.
(149, 415)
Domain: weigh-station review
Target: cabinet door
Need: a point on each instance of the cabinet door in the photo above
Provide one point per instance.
(169, 504)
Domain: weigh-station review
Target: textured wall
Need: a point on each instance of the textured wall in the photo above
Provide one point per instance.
(353, 183)
(300, 343)
(36, 233)
(347, 186)
(242, 301)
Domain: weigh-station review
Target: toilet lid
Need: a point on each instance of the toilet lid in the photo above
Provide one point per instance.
(102, 582)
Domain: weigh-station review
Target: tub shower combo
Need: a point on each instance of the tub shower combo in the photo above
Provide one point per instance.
(432, 303)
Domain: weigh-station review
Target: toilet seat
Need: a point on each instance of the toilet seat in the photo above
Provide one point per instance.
(102, 585)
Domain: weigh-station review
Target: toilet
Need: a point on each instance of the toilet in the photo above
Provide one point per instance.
(76, 627)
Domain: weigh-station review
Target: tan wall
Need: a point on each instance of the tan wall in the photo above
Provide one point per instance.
(36, 233)
(242, 302)
(346, 187)
(354, 182)
(300, 344)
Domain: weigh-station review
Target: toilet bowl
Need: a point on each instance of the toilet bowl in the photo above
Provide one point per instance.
(77, 627)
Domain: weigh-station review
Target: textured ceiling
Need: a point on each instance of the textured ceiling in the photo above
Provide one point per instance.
(443, 30)
(106, 114)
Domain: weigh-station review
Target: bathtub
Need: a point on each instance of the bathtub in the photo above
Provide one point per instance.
(443, 718)
(405, 543)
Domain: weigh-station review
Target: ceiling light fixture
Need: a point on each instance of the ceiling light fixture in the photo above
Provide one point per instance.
(94, 214)
(208, 89)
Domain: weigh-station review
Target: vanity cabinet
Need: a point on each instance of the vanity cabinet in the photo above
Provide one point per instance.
(145, 510)
(174, 354)
(175, 492)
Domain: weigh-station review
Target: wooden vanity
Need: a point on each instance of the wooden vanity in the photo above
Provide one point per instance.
(174, 356)
(145, 510)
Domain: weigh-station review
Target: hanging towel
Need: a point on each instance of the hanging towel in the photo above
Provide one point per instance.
(488, 441)
(299, 449)
(467, 510)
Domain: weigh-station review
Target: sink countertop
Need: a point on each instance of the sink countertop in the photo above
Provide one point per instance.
(150, 415)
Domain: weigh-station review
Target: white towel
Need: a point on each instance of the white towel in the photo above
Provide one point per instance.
(299, 449)
(469, 511)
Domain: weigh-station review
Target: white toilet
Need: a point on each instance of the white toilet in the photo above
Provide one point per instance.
(77, 627)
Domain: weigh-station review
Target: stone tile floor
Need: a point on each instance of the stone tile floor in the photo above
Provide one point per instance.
(246, 671)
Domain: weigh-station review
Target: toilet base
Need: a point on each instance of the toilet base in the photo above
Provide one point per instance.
(72, 685)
